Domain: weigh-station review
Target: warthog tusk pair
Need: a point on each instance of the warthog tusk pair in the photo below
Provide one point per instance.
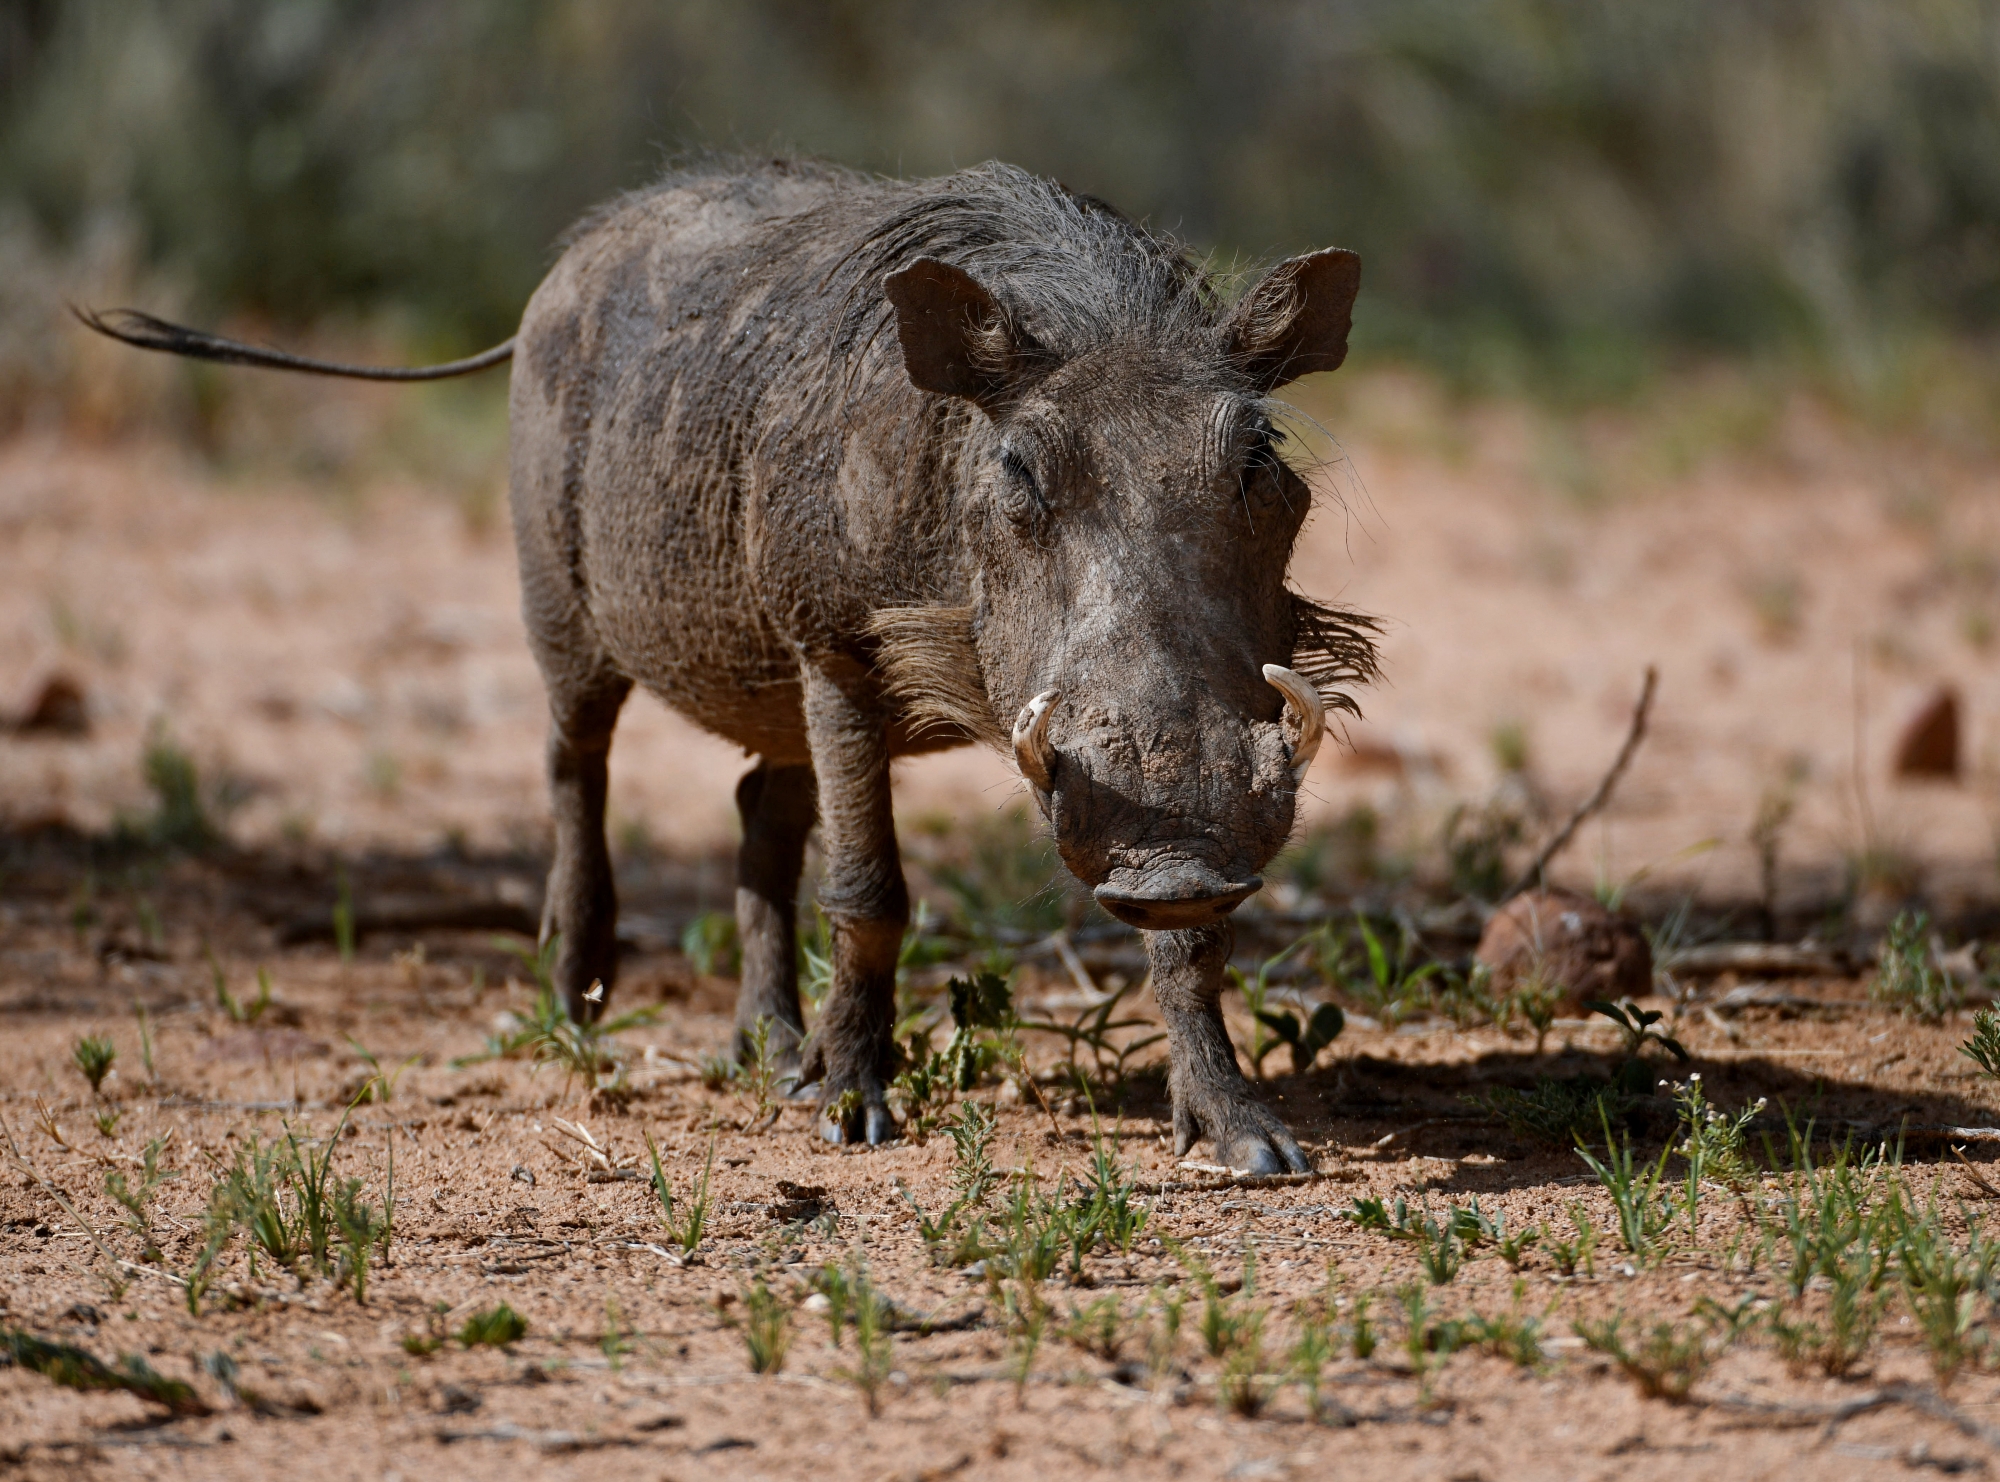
(1302, 699)
(1036, 757)
(1033, 753)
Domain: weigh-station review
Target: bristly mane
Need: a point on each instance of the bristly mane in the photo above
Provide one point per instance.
(1334, 647)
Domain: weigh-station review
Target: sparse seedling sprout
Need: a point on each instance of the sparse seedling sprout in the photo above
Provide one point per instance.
(766, 1325)
(1361, 1328)
(1983, 1049)
(1640, 1027)
(709, 943)
(758, 1076)
(145, 1041)
(343, 916)
(1909, 977)
(380, 1086)
(1644, 1214)
(237, 1011)
(1580, 1251)
(136, 1199)
(107, 1119)
(871, 1315)
(684, 1229)
(493, 1327)
(1670, 1358)
(92, 1055)
(1940, 1284)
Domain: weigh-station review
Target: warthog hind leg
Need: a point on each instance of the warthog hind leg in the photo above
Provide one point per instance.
(581, 905)
(852, 1050)
(776, 804)
(1211, 1098)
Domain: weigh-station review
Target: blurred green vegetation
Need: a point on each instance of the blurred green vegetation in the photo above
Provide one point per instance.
(1549, 194)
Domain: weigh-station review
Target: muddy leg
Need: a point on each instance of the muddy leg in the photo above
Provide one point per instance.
(852, 1048)
(1211, 1098)
(582, 899)
(777, 808)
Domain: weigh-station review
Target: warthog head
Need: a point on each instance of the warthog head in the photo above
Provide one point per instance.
(1130, 523)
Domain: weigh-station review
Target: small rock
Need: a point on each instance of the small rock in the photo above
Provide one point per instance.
(1569, 942)
(456, 1399)
(1929, 743)
(58, 710)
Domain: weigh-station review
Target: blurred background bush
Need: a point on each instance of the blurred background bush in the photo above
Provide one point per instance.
(1559, 196)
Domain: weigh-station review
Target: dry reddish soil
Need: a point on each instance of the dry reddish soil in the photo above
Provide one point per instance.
(495, 1202)
(342, 659)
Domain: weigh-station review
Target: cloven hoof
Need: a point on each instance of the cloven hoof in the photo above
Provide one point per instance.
(870, 1124)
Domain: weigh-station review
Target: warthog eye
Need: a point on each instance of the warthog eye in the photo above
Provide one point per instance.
(1021, 495)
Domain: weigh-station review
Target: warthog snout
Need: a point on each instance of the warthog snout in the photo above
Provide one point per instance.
(1173, 896)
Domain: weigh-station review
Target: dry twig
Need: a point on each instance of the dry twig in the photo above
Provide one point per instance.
(1598, 798)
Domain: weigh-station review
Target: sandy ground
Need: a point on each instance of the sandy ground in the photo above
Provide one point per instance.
(346, 657)
(631, 1361)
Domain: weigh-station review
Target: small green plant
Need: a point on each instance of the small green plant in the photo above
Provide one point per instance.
(380, 1086)
(1387, 985)
(1514, 1248)
(709, 944)
(1983, 1049)
(1361, 1338)
(685, 1229)
(1581, 1250)
(1256, 990)
(237, 1011)
(107, 1119)
(1095, 1028)
(972, 1175)
(76, 1368)
(92, 1055)
(1669, 1359)
(1716, 1145)
(1163, 1335)
(1027, 1320)
(1312, 1350)
(767, 1328)
(1242, 1386)
(1644, 1214)
(758, 1077)
(981, 1006)
(343, 915)
(1305, 1040)
(1098, 1328)
(1515, 1336)
(1439, 1254)
(493, 1327)
(1640, 1027)
(180, 818)
(614, 1339)
(145, 1041)
(1909, 978)
(1942, 1284)
(874, 1344)
(1425, 1344)
(136, 1199)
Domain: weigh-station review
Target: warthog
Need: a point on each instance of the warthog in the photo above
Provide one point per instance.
(848, 469)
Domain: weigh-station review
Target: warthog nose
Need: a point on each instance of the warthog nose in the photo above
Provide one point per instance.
(1173, 899)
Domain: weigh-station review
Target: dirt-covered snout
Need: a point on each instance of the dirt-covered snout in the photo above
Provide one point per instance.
(1167, 799)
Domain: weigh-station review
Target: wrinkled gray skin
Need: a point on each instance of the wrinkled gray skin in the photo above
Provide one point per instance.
(845, 470)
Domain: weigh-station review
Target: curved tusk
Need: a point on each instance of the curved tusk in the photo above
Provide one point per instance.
(1303, 699)
(1032, 751)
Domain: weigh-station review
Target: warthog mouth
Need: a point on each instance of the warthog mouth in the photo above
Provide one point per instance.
(1173, 897)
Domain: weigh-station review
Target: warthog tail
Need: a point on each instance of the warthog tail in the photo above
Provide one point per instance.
(148, 333)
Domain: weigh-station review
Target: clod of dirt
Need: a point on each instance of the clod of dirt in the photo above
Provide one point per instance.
(1928, 746)
(58, 710)
(1569, 945)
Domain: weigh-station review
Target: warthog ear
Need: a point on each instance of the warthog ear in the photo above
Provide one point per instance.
(1295, 322)
(956, 338)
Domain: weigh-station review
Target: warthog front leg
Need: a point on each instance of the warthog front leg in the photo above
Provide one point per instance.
(580, 907)
(852, 1048)
(776, 804)
(1211, 1098)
